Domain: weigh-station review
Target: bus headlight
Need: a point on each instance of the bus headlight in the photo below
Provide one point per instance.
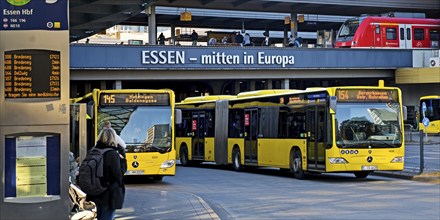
(167, 164)
(398, 160)
(337, 160)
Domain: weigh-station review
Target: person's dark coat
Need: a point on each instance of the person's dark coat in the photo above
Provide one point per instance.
(194, 36)
(114, 195)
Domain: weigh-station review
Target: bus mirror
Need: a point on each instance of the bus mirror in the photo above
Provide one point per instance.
(178, 116)
(90, 109)
(405, 113)
(332, 104)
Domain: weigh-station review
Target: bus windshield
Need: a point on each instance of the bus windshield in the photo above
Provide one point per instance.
(143, 128)
(432, 109)
(368, 125)
(349, 28)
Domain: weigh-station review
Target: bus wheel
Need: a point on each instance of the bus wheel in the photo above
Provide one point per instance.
(236, 160)
(361, 174)
(157, 178)
(296, 164)
(184, 156)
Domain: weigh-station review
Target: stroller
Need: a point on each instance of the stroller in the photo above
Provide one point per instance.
(81, 209)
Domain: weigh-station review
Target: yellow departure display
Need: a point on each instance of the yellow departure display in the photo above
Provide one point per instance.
(32, 74)
(366, 95)
(134, 99)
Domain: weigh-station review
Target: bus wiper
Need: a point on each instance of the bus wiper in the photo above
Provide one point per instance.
(381, 142)
(161, 150)
(347, 143)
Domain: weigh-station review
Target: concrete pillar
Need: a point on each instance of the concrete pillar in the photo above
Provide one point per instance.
(269, 84)
(237, 87)
(286, 83)
(103, 85)
(87, 88)
(117, 84)
(152, 35)
(294, 19)
(173, 34)
(73, 91)
(252, 85)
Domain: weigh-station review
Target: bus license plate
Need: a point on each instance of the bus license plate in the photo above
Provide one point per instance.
(134, 172)
(369, 167)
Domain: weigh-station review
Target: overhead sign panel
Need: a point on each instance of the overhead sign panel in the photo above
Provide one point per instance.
(34, 15)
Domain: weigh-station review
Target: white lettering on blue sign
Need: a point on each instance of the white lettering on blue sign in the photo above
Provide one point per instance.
(220, 58)
(11, 12)
(163, 57)
(275, 59)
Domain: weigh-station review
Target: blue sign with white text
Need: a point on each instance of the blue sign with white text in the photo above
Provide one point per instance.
(34, 15)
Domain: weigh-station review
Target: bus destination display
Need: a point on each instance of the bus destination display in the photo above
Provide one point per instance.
(32, 74)
(366, 95)
(134, 99)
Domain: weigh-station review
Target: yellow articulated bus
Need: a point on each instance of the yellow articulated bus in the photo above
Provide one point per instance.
(432, 113)
(355, 129)
(144, 119)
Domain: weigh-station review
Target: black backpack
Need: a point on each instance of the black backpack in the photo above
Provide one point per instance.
(91, 172)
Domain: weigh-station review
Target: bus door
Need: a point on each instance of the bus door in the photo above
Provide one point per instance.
(198, 138)
(405, 37)
(316, 137)
(250, 136)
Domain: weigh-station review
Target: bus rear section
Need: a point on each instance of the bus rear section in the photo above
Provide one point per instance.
(202, 135)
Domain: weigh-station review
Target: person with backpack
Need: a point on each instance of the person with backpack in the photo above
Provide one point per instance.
(101, 175)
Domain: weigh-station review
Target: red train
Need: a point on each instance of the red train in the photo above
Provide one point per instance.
(389, 32)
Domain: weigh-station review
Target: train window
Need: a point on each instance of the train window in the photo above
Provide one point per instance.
(391, 34)
(402, 34)
(419, 34)
(434, 37)
(377, 29)
(408, 34)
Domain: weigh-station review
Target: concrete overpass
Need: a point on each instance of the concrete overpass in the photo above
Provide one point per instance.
(91, 17)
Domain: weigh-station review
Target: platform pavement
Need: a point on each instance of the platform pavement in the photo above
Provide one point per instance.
(160, 204)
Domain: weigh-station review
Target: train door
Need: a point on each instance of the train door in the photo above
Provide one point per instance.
(316, 137)
(405, 38)
(198, 139)
(250, 136)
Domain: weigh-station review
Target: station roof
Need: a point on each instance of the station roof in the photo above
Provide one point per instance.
(93, 16)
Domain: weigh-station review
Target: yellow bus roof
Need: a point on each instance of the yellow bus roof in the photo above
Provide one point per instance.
(264, 92)
(430, 97)
(206, 98)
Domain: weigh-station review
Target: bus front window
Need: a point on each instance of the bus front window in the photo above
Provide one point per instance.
(365, 125)
(143, 128)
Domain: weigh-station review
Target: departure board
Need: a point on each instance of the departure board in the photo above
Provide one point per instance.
(32, 74)
(366, 95)
(154, 99)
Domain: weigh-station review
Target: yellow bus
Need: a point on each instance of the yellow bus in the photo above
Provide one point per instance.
(432, 113)
(355, 129)
(144, 119)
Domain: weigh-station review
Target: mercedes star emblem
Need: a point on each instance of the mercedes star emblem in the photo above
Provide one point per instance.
(135, 164)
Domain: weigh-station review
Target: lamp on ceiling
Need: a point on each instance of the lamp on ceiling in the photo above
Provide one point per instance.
(185, 16)
(300, 18)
